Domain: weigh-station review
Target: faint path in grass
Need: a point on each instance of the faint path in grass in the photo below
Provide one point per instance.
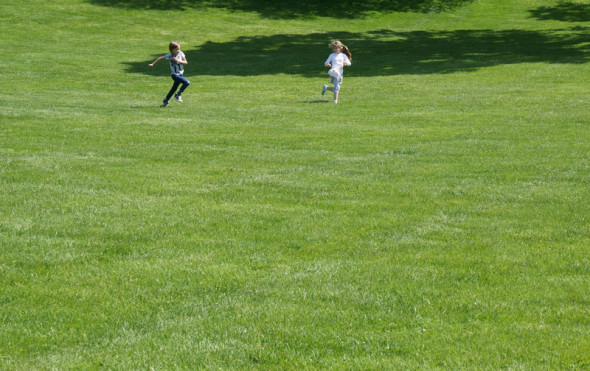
(316, 101)
(288, 9)
(383, 52)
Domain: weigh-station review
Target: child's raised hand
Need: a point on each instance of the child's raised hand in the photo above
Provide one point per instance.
(328, 65)
(151, 65)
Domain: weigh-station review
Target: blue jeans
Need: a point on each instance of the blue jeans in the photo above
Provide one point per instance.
(178, 79)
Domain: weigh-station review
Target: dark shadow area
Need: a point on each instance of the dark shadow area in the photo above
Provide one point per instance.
(381, 52)
(565, 11)
(285, 9)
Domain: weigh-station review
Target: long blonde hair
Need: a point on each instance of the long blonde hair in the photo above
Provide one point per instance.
(338, 44)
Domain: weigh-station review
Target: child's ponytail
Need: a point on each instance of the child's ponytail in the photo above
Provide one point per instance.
(347, 52)
(344, 48)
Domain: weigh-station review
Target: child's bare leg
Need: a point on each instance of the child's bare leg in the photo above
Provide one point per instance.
(335, 96)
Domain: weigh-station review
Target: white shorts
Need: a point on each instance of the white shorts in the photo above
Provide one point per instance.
(335, 78)
(337, 82)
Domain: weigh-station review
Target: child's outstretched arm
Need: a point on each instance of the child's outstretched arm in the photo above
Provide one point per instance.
(156, 61)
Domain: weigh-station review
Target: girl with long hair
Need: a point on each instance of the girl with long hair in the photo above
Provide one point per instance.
(340, 57)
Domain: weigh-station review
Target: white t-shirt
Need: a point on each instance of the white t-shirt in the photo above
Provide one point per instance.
(175, 68)
(338, 61)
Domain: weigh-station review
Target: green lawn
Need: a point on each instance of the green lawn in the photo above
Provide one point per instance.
(436, 218)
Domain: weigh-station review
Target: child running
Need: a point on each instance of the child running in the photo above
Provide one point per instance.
(336, 61)
(177, 60)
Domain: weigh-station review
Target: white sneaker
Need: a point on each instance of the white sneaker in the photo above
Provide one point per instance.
(178, 98)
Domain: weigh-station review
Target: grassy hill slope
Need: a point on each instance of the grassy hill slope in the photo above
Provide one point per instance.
(437, 217)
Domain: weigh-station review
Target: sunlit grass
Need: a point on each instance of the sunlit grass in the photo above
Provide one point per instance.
(437, 217)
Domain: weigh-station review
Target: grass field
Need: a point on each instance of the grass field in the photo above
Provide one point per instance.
(436, 218)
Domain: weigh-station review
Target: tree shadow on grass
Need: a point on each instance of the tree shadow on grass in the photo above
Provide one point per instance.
(383, 52)
(566, 11)
(285, 9)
